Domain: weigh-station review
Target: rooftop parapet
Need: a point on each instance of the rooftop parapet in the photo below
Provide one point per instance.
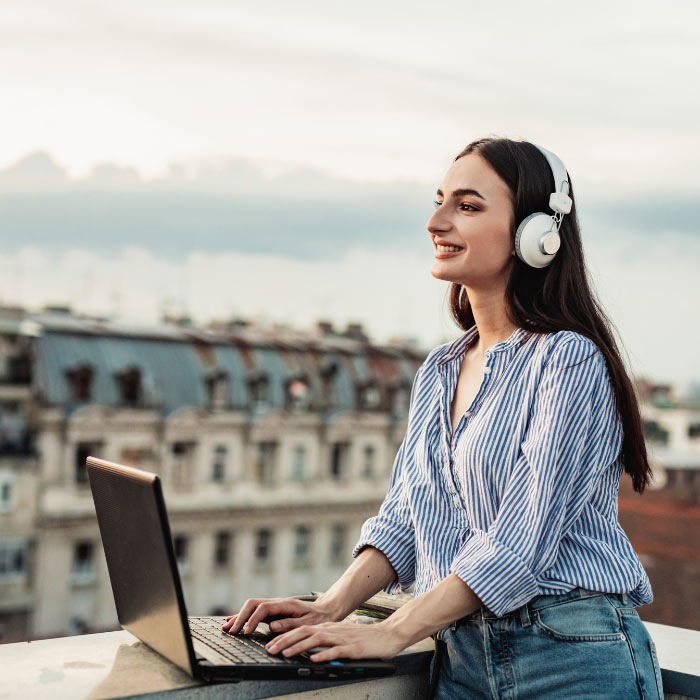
(116, 665)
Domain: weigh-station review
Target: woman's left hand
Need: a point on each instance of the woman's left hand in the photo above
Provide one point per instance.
(346, 640)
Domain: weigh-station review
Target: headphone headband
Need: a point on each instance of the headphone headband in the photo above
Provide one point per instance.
(561, 179)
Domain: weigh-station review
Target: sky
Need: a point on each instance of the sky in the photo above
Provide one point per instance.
(279, 160)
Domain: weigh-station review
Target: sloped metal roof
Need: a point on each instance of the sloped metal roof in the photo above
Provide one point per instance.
(171, 373)
(175, 361)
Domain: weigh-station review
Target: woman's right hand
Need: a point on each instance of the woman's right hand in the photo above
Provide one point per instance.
(295, 613)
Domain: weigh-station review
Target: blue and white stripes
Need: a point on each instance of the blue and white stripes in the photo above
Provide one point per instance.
(524, 500)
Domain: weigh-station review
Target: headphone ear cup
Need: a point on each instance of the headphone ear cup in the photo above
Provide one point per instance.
(528, 236)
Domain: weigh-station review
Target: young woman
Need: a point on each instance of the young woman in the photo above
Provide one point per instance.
(502, 504)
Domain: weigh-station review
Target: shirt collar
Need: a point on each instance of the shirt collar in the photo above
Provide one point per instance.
(458, 347)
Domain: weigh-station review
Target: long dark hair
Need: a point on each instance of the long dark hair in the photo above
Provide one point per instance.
(557, 297)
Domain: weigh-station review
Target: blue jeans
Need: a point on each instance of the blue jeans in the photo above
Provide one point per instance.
(580, 645)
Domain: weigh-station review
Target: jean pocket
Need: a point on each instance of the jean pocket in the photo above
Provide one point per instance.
(591, 619)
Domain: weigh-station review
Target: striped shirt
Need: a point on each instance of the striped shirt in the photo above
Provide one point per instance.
(523, 500)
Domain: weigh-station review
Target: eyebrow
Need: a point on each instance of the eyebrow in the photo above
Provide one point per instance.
(463, 192)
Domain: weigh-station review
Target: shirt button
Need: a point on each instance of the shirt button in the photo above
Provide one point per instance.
(467, 413)
(487, 370)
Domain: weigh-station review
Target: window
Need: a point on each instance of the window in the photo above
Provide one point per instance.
(129, 386)
(218, 467)
(694, 430)
(260, 392)
(83, 569)
(7, 490)
(654, 432)
(13, 560)
(298, 460)
(80, 383)
(370, 396)
(15, 437)
(222, 548)
(180, 550)
(400, 400)
(339, 460)
(182, 464)
(339, 534)
(368, 462)
(263, 547)
(218, 390)
(264, 467)
(82, 451)
(18, 369)
(302, 538)
(297, 394)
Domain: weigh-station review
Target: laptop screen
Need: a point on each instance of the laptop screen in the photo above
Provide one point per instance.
(140, 560)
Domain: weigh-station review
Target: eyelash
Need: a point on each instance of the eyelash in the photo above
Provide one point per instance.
(436, 204)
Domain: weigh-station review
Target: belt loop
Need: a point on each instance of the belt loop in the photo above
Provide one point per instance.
(624, 598)
(454, 626)
(524, 616)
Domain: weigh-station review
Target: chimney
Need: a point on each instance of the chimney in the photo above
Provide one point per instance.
(355, 330)
(325, 328)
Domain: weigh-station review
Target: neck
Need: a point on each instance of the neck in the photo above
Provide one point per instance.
(491, 318)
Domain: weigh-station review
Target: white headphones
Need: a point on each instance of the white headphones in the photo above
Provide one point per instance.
(537, 238)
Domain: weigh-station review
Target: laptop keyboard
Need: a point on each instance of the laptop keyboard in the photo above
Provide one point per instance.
(238, 648)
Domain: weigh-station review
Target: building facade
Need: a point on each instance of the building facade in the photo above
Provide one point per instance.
(273, 447)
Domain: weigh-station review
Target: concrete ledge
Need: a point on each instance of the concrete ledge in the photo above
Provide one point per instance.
(117, 665)
(678, 651)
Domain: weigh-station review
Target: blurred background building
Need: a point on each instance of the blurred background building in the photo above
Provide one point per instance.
(273, 445)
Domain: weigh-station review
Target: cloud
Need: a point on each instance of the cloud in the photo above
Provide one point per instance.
(34, 169)
(222, 205)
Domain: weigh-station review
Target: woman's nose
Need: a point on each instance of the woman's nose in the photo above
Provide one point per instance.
(436, 224)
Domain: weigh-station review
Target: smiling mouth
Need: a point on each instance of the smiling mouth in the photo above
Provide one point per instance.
(448, 248)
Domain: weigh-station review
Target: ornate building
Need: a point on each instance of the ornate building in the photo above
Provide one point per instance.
(273, 446)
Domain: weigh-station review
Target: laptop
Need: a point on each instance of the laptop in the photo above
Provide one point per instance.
(148, 594)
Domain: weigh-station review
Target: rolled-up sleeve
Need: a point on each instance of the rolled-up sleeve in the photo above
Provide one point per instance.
(573, 435)
(392, 529)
